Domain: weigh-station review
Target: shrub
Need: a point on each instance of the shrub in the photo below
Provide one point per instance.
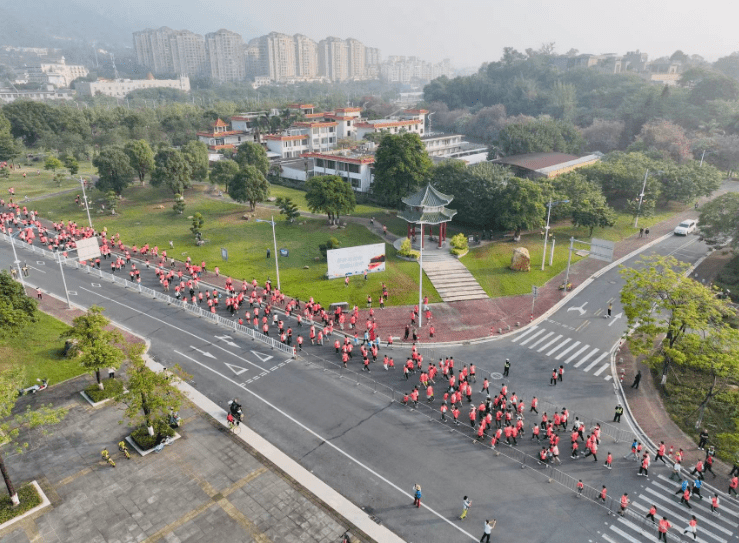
(29, 499)
(113, 387)
(145, 441)
(407, 251)
(459, 244)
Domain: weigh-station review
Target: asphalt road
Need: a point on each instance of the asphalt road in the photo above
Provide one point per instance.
(345, 428)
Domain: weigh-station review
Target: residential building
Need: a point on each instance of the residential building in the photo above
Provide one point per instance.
(119, 88)
(346, 119)
(247, 122)
(535, 165)
(408, 120)
(153, 49)
(225, 54)
(302, 137)
(302, 109)
(188, 53)
(306, 57)
(59, 74)
(333, 59)
(280, 56)
(412, 69)
(220, 137)
(372, 56)
(356, 57)
(356, 166)
(11, 95)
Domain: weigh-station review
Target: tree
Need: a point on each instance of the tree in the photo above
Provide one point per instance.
(621, 175)
(520, 206)
(666, 137)
(540, 136)
(197, 224)
(402, 165)
(179, 204)
(592, 212)
(252, 154)
(196, 155)
(331, 195)
(663, 305)
(141, 157)
(603, 135)
(223, 171)
(172, 170)
(687, 182)
(719, 220)
(9, 148)
(249, 185)
(52, 163)
(150, 395)
(288, 208)
(97, 346)
(728, 65)
(71, 164)
(16, 309)
(111, 198)
(114, 170)
(11, 380)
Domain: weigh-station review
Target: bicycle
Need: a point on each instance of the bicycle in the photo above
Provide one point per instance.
(234, 424)
(106, 456)
(124, 449)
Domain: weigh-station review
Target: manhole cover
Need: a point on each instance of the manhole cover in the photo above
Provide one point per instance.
(496, 375)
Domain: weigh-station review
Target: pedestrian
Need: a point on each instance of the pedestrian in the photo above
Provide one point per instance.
(443, 410)
(697, 484)
(715, 504)
(609, 459)
(624, 503)
(646, 233)
(698, 469)
(693, 524)
(732, 485)
(553, 379)
(487, 530)
(417, 495)
(603, 494)
(618, 412)
(465, 507)
(664, 525)
(506, 367)
(38, 293)
(534, 405)
(675, 475)
(580, 487)
(644, 468)
(703, 439)
(686, 498)
(610, 309)
(561, 373)
(652, 512)
(641, 232)
(660, 455)
(637, 378)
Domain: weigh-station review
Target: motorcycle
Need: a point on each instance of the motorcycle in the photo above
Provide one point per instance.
(34, 388)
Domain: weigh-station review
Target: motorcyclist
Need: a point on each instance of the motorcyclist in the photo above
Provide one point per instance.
(235, 408)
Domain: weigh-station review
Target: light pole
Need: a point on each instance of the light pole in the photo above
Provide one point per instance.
(274, 239)
(641, 198)
(87, 205)
(420, 282)
(17, 262)
(546, 229)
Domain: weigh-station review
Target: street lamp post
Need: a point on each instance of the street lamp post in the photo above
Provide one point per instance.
(546, 229)
(274, 239)
(641, 198)
(17, 262)
(87, 205)
(420, 282)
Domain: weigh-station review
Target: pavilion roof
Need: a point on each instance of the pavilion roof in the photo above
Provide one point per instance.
(427, 197)
(427, 217)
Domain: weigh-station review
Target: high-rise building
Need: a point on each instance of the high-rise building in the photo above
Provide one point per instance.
(225, 53)
(188, 53)
(280, 55)
(153, 49)
(306, 56)
(333, 59)
(356, 55)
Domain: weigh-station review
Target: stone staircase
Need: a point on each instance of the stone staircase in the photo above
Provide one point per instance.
(451, 279)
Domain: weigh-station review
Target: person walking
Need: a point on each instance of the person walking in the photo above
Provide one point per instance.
(617, 413)
(664, 525)
(553, 380)
(624, 503)
(644, 469)
(715, 504)
(692, 527)
(660, 455)
(466, 503)
(38, 293)
(732, 485)
(637, 378)
(610, 309)
(686, 498)
(651, 513)
(506, 367)
(417, 495)
(487, 530)
(703, 439)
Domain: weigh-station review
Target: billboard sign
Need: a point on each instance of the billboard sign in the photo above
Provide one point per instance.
(87, 248)
(601, 249)
(356, 260)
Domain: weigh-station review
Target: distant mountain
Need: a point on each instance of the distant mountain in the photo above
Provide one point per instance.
(55, 23)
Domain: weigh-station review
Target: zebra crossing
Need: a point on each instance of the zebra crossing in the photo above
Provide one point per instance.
(566, 350)
(660, 492)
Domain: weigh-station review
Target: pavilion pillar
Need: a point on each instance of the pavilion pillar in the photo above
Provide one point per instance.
(441, 226)
(408, 228)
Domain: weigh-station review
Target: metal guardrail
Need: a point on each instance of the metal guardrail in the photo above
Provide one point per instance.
(194, 309)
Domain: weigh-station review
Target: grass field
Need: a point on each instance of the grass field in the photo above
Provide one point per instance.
(140, 221)
(39, 350)
(41, 183)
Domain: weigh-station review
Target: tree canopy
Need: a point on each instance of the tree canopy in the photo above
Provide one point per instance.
(196, 155)
(540, 136)
(331, 195)
(171, 170)
(249, 185)
(114, 169)
(520, 206)
(719, 220)
(16, 309)
(252, 154)
(141, 157)
(401, 167)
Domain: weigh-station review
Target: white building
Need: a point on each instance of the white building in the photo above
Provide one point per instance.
(60, 74)
(225, 53)
(303, 137)
(11, 95)
(220, 137)
(354, 166)
(119, 88)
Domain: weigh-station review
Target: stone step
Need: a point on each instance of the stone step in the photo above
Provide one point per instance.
(460, 289)
(457, 286)
(464, 298)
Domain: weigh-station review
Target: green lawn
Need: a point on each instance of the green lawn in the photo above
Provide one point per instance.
(42, 183)
(39, 350)
(298, 197)
(140, 221)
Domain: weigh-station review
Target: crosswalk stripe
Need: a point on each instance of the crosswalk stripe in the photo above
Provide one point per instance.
(595, 362)
(694, 512)
(559, 346)
(578, 353)
(567, 350)
(538, 333)
(540, 349)
(601, 369)
(609, 377)
(540, 340)
(624, 534)
(645, 509)
(725, 507)
(523, 334)
(583, 360)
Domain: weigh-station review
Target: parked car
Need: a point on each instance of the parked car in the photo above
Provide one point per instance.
(686, 227)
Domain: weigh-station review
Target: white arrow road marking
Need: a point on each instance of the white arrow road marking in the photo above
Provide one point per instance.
(238, 370)
(581, 309)
(262, 357)
(615, 317)
(204, 353)
(227, 340)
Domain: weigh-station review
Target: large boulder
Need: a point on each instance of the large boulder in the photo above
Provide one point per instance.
(521, 261)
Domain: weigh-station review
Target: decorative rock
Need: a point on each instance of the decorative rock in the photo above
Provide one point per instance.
(159, 207)
(306, 267)
(271, 199)
(245, 217)
(521, 261)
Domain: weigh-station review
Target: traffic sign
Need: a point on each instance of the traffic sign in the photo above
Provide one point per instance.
(601, 249)
(88, 248)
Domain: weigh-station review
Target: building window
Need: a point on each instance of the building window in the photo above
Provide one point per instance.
(331, 164)
(356, 183)
(353, 168)
(319, 163)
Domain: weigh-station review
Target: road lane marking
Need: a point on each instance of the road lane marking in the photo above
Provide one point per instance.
(538, 333)
(579, 351)
(548, 344)
(567, 350)
(595, 362)
(559, 346)
(585, 358)
(525, 333)
(540, 340)
(601, 370)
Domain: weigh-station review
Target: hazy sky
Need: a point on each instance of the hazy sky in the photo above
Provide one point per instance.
(468, 32)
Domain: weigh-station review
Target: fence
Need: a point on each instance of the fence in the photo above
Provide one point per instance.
(190, 308)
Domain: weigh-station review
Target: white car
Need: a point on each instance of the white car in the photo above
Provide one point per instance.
(686, 227)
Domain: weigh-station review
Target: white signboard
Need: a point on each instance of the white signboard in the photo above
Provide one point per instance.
(601, 249)
(87, 248)
(356, 260)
